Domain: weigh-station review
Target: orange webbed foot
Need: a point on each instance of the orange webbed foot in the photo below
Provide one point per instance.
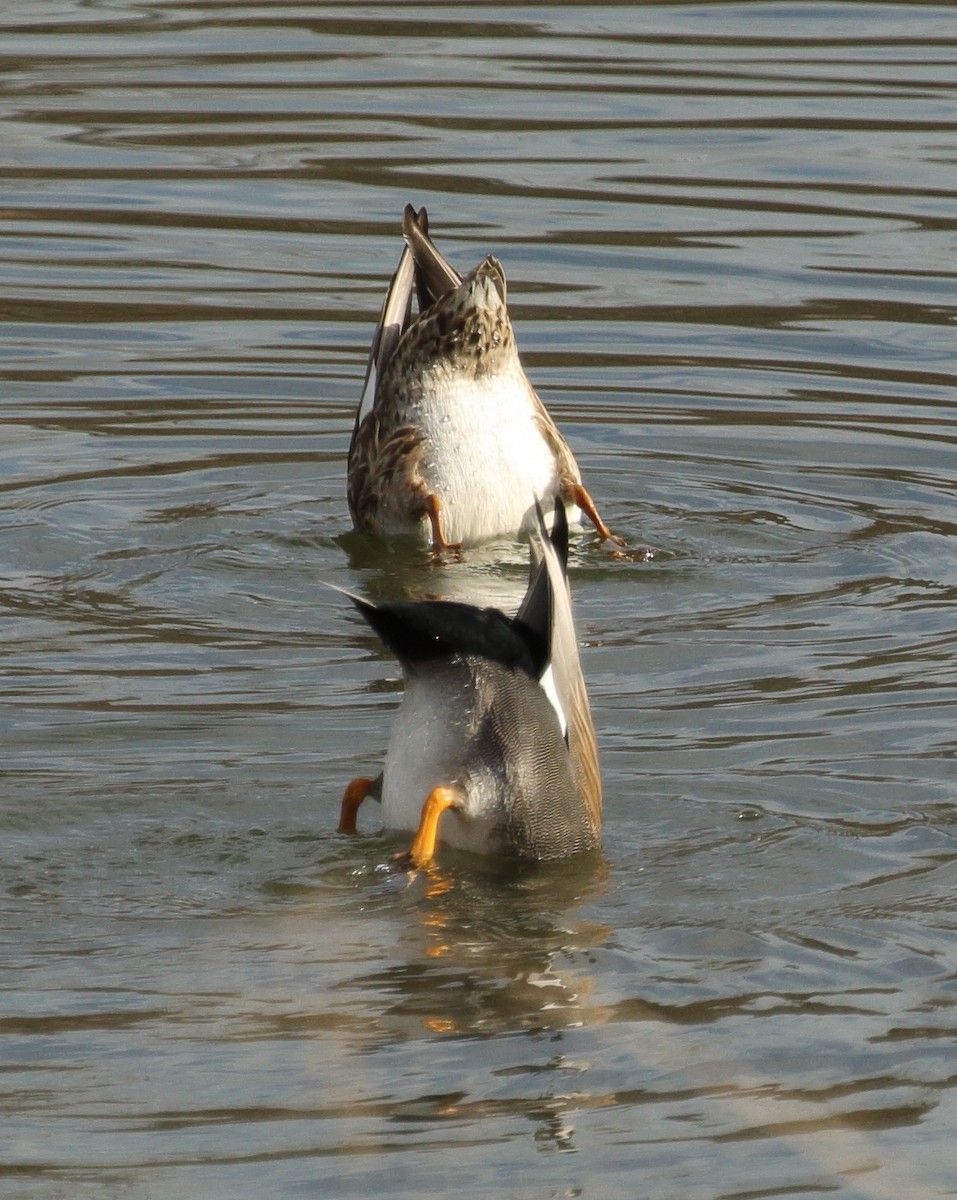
(433, 510)
(352, 798)
(422, 850)
(580, 497)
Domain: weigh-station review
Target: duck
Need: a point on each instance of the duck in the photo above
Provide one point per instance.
(451, 440)
(493, 748)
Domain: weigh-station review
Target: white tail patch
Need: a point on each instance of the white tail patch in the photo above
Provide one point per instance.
(485, 293)
(548, 686)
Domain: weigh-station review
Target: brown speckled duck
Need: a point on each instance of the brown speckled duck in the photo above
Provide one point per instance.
(457, 441)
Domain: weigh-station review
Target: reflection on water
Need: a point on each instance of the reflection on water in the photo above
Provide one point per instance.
(482, 954)
(728, 230)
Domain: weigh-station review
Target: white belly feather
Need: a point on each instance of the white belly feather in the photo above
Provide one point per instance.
(431, 731)
(486, 458)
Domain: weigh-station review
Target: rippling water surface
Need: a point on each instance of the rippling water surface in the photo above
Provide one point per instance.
(729, 231)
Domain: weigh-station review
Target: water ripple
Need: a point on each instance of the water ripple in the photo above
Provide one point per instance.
(728, 231)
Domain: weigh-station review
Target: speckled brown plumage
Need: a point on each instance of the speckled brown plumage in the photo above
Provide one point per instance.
(456, 432)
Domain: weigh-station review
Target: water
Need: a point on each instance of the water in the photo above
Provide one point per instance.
(729, 234)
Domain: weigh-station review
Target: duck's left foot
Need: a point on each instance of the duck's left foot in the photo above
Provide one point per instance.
(433, 510)
(422, 850)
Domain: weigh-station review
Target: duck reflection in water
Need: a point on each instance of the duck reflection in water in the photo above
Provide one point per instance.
(498, 956)
(503, 931)
(493, 748)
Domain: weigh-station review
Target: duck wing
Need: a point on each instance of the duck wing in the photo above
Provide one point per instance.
(393, 321)
(546, 612)
(434, 274)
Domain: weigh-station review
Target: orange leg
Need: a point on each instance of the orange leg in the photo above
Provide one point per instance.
(433, 510)
(355, 793)
(422, 850)
(579, 496)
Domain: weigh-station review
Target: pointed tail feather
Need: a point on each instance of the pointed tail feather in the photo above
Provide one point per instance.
(434, 275)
